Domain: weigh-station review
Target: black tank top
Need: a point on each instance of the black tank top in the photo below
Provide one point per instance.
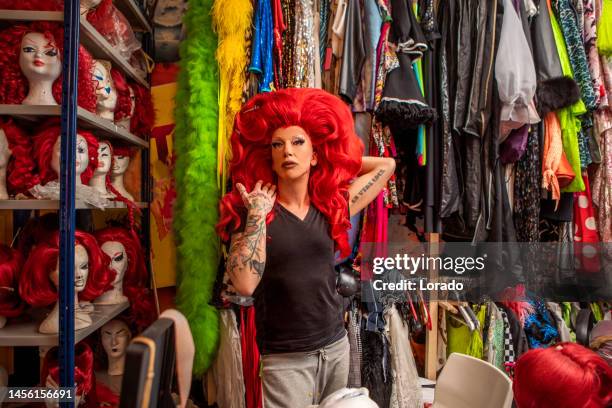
(297, 307)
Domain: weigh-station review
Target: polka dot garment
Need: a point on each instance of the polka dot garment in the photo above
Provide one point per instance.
(585, 229)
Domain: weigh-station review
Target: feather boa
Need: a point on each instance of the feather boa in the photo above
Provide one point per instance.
(232, 21)
(196, 208)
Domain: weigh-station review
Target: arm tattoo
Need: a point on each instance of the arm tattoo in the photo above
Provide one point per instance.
(246, 252)
(367, 186)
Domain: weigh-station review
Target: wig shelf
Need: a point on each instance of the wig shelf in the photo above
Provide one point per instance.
(95, 43)
(26, 333)
(54, 205)
(86, 119)
(134, 14)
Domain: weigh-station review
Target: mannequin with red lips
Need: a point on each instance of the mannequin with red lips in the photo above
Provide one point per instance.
(39, 280)
(100, 174)
(106, 92)
(121, 161)
(40, 63)
(115, 336)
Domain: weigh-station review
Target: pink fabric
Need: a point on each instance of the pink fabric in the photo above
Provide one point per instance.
(250, 358)
(585, 229)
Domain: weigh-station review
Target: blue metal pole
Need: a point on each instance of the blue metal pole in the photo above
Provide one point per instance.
(67, 205)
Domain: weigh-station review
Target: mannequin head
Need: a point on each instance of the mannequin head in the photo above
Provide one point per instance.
(18, 66)
(39, 278)
(337, 150)
(562, 376)
(39, 58)
(46, 152)
(105, 157)
(10, 266)
(83, 369)
(125, 253)
(121, 160)
(115, 337)
(106, 92)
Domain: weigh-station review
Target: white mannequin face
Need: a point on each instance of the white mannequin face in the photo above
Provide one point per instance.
(120, 164)
(5, 152)
(39, 58)
(115, 338)
(105, 90)
(81, 268)
(82, 155)
(119, 261)
(104, 158)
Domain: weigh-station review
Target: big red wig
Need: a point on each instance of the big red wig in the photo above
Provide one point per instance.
(142, 309)
(39, 5)
(43, 150)
(37, 289)
(94, 394)
(20, 171)
(124, 101)
(14, 85)
(144, 112)
(329, 124)
(10, 267)
(564, 376)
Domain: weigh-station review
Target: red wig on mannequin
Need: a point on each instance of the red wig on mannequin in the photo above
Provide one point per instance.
(142, 310)
(10, 267)
(43, 149)
(329, 124)
(20, 170)
(14, 85)
(124, 101)
(37, 289)
(144, 112)
(40, 5)
(83, 368)
(563, 376)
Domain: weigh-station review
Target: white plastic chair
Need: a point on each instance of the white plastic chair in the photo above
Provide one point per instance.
(468, 382)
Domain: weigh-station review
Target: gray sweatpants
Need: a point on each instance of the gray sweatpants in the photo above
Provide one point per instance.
(296, 380)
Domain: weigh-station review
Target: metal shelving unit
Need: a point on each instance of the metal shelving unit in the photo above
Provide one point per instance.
(86, 120)
(90, 38)
(77, 30)
(26, 333)
(55, 205)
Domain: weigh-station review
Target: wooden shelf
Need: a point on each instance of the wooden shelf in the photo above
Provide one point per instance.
(134, 14)
(90, 38)
(54, 205)
(26, 333)
(87, 120)
(29, 15)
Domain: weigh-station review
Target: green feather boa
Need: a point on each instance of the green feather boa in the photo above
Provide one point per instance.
(196, 208)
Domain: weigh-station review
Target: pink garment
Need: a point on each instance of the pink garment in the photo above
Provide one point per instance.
(585, 229)
(590, 46)
(250, 358)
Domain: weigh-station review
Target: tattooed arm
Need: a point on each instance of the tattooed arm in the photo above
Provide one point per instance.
(374, 174)
(247, 254)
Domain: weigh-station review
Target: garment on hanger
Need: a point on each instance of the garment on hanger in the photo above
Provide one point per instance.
(227, 368)
(263, 46)
(354, 53)
(494, 341)
(403, 368)
(376, 368)
(557, 313)
(354, 336)
(305, 48)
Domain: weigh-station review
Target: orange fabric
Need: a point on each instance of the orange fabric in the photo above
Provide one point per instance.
(556, 170)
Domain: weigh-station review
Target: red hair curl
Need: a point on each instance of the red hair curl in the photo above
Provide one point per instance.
(10, 266)
(43, 150)
(14, 85)
(83, 368)
(39, 5)
(20, 171)
(144, 112)
(563, 376)
(142, 309)
(328, 122)
(124, 101)
(37, 289)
